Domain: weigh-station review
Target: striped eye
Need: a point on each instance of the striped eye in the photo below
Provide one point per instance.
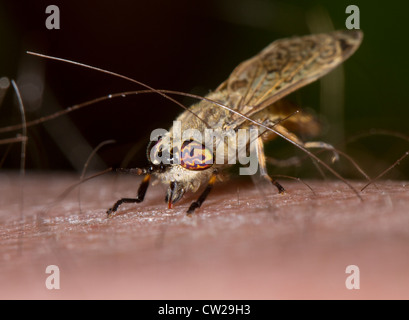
(195, 156)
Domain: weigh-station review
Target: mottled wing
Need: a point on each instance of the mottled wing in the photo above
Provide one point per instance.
(284, 66)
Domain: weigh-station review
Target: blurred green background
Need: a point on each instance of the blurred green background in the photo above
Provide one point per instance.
(193, 46)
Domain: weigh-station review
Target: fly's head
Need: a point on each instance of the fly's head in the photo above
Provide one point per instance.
(183, 168)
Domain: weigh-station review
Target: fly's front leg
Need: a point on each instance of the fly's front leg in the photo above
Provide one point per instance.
(139, 198)
(203, 196)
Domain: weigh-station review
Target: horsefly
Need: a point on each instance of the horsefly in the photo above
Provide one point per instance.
(232, 123)
(196, 152)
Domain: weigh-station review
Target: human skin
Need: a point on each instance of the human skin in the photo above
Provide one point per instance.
(245, 242)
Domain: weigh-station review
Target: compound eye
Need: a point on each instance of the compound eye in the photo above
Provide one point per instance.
(195, 156)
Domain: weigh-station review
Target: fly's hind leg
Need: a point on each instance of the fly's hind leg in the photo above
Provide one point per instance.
(308, 145)
(139, 198)
(284, 163)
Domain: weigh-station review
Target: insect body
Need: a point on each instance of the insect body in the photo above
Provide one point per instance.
(252, 94)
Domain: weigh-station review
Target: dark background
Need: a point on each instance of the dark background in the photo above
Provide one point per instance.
(189, 46)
